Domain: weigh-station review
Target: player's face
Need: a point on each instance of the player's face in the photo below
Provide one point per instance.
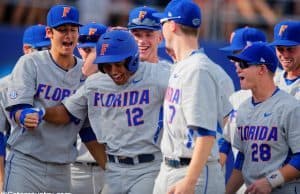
(118, 72)
(147, 41)
(63, 39)
(289, 57)
(247, 74)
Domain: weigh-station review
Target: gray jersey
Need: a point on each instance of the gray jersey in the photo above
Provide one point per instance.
(195, 97)
(37, 80)
(5, 121)
(265, 133)
(292, 88)
(124, 117)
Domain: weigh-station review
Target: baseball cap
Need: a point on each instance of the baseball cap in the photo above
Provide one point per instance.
(89, 34)
(142, 18)
(286, 33)
(184, 12)
(35, 36)
(62, 14)
(242, 37)
(257, 53)
(115, 46)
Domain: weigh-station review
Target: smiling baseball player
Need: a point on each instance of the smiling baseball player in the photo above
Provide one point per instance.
(123, 107)
(267, 130)
(39, 159)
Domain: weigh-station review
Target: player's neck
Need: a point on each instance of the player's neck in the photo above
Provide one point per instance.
(293, 74)
(185, 46)
(261, 93)
(66, 62)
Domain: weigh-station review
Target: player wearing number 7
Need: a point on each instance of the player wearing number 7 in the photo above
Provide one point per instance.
(268, 128)
(123, 103)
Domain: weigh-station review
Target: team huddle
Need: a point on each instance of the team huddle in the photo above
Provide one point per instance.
(122, 119)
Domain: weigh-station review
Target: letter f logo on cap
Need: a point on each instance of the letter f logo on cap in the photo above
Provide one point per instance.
(92, 31)
(142, 15)
(66, 11)
(103, 49)
(282, 29)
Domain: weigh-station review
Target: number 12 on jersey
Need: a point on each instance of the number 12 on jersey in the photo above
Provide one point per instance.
(134, 116)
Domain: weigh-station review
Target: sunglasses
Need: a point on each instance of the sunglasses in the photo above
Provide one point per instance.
(88, 38)
(245, 65)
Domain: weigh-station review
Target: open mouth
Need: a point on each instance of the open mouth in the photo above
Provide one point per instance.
(67, 44)
(143, 49)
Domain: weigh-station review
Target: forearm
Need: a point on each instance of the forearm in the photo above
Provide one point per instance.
(57, 115)
(289, 172)
(1, 172)
(97, 150)
(235, 182)
(203, 145)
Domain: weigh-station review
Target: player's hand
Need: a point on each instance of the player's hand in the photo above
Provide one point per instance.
(261, 186)
(30, 118)
(89, 67)
(182, 187)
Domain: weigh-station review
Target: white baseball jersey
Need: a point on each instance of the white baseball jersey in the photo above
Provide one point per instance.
(194, 97)
(265, 133)
(38, 81)
(124, 117)
(292, 88)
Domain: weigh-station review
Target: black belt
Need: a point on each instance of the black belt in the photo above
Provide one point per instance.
(177, 163)
(142, 158)
(87, 163)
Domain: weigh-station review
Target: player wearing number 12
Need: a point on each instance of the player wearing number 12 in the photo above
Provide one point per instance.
(123, 106)
(268, 128)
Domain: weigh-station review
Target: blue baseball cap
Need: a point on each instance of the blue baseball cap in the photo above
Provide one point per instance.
(115, 46)
(89, 34)
(142, 18)
(35, 36)
(184, 12)
(286, 33)
(62, 14)
(257, 53)
(242, 37)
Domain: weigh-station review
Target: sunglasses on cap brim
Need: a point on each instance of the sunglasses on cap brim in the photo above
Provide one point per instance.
(88, 38)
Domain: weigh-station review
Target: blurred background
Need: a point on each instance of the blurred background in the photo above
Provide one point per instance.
(220, 18)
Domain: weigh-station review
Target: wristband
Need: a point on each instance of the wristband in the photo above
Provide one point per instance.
(275, 179)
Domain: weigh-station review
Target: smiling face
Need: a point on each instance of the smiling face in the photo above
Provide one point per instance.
(289, 57)
(118, 72)
(63, 39)
(148, 41)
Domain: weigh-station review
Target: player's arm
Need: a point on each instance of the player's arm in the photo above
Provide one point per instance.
(236, 179)
(96, 149)
(57, 115)
(203, 144)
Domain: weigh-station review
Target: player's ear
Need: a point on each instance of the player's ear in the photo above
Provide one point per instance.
(49, 32)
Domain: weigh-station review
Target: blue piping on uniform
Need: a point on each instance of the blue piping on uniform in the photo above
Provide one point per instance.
(8, 173)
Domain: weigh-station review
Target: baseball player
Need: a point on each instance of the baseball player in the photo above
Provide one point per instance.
(87, 176)
(34, 38)
(39, 159)
(239, 39)
(287, 44)
(193, 106)
(123, 107)
(267, 132)
(146, 30)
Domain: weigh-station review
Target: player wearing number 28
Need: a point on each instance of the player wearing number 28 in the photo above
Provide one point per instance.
(268, 128)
